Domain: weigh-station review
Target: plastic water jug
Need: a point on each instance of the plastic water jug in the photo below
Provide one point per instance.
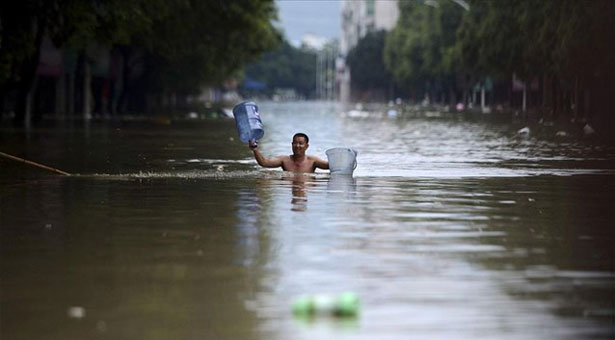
(248, 121)
(342, 160)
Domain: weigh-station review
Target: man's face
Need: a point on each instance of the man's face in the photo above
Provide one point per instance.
(299, 145)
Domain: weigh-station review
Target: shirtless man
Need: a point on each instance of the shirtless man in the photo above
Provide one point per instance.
(297, 162)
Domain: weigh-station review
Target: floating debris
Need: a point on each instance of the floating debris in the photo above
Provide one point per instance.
(343, 305)
(524, 131)
(76, 312)
(588, 130)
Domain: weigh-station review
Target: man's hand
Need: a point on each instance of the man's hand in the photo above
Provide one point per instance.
(252, 144)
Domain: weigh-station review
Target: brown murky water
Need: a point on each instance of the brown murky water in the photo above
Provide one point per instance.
(451, 228)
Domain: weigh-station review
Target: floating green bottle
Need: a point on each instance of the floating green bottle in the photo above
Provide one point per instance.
(342, 305)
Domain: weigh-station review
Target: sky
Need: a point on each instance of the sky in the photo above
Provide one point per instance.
(317, 17)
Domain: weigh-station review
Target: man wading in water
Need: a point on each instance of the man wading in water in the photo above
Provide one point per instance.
(297, 162)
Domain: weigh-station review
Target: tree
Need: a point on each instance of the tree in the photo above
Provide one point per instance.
(566, 42)
(285, 67)
(367, 69)
(185, 44)
(204, 42)
(420, 50)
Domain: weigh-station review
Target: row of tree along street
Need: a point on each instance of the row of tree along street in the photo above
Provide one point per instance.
(72, 57)
(550, 58)
(285, 67)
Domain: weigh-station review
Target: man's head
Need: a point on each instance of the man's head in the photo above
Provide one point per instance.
(300, 143)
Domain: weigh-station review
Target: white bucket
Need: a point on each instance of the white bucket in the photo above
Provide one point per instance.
(342, 160)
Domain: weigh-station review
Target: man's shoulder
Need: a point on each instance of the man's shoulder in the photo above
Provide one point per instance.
(284, 158)
(313, 158)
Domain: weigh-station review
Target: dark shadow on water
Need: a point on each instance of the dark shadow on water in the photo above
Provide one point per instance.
(342, 186)
(299, 184)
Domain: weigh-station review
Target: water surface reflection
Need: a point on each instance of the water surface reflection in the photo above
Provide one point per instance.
(447, 258)
(450, 228)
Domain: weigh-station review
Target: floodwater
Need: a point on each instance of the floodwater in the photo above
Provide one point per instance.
(453, 227)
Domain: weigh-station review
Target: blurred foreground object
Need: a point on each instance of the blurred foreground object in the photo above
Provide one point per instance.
(343, 305)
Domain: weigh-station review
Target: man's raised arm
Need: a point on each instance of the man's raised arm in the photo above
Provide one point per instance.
(261, 160)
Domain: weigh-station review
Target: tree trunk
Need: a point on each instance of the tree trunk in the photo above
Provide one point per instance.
(60, 107)
(575, 98)
(87, 98)
(121, 101)
(554, 107)
(586, 104)
(70, 107)
(545, 95)
(524, 100)
(452, 97)
(25, 86)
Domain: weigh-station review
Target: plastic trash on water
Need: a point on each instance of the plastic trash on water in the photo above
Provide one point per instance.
(75, 312)
(524, 131)
(342, 161)
(248, 121)
(342, 305)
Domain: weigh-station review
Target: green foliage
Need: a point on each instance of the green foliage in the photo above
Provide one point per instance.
(204, 42)
(532, 37)
(439, 40)
(492, 39)
(69, 22)
(583, 40)
(403, 54)
(422, 45)
(367, 69)
(20, 23)
(187, 43)
(286, 67)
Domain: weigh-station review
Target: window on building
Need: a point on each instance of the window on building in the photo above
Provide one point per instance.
(370, 7)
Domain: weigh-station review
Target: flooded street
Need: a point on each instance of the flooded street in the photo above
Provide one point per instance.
(453, 227)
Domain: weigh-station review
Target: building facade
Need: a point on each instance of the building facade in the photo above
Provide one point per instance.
(360, 17)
